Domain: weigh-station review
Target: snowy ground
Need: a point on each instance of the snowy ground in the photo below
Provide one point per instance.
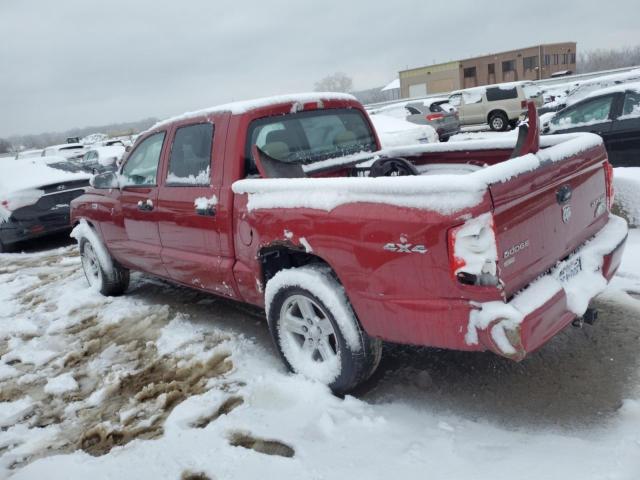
(167, 383)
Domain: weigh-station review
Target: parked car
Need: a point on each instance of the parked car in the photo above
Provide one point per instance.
(289, 204)
(101, 159)
(435, 112)
(614, 114)
(35, 197)
(395, 132)
(66, 150)
(500, 105)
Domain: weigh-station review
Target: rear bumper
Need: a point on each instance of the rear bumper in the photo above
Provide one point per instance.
(525, 323)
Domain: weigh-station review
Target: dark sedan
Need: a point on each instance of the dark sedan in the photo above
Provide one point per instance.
(614, 114)
(35, 197)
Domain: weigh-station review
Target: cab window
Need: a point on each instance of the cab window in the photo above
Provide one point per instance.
(142, 165)
(308, 137)
(190, 160)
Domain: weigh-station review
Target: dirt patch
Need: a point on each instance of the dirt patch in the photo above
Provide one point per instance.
(261, 445)
(194, 476)
(148, 397)
(125, 388)
(228, 405)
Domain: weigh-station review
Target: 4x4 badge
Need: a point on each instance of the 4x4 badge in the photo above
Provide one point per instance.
(405, 247)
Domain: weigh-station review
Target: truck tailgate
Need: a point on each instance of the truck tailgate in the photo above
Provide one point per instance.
(541, 216)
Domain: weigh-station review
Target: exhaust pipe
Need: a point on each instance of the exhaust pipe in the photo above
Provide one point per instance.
(590, 317)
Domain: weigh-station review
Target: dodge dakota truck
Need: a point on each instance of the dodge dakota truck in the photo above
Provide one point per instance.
(290, 204)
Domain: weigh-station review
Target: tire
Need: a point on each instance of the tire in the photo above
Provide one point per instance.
(316, 331)
(513, 124)
(498, 121)
(109, 282)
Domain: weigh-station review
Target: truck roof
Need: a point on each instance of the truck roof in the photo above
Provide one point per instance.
(241, 107)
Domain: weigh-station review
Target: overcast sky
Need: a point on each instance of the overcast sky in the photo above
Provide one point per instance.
(75, 63)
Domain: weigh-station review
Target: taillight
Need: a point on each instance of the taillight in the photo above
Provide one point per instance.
(608, 175)
(523, 104)
(434, 116)
(473, 253)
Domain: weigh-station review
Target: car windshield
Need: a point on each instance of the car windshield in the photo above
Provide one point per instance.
(308, 137)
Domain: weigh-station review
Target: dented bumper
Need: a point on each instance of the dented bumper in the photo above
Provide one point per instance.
(525, 323)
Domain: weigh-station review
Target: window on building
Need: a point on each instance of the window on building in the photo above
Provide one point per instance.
(491, 68)
(530, 63)
(547, 59)
(509, 66)
(565, 58)
(470, 72)
(556, 59)
(573, 58)
(191, 155)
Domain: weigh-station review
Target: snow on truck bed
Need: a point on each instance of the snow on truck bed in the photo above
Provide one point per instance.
(445, 193)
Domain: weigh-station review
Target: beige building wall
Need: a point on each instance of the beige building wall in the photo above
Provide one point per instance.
(443, 77)
(531, 63)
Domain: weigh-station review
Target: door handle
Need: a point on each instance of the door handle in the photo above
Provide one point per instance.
(206, 212)
(145, 205)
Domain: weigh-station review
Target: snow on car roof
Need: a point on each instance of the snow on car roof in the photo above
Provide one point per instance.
(244, 106)
(22, 174)
(622, 87)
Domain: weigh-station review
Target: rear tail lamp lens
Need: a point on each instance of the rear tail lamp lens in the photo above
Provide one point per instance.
(473, 253)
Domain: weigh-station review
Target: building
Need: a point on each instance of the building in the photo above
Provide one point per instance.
(531, 63)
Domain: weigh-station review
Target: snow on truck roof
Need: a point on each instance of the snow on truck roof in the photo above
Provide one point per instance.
(244, 106)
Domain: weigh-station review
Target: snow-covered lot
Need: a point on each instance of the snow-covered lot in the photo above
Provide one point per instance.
(168, 383)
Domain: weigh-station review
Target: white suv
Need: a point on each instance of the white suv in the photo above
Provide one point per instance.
(498, 105)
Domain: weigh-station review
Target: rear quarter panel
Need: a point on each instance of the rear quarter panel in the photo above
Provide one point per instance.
(394, 294)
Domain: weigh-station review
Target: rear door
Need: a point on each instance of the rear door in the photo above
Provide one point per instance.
(190, 224)
(623, 143)
(134, 236)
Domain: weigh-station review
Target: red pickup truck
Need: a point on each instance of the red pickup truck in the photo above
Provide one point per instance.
(290, 204)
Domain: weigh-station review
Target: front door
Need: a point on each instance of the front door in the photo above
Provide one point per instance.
(189, 223)
(139, 242)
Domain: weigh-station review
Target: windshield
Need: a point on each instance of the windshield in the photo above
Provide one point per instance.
(308, 137)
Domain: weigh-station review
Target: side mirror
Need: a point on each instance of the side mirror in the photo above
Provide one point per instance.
(104, 181)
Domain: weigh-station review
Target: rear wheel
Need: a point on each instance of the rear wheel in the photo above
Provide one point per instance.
(108, 281)
(498, 121)
(315, 329)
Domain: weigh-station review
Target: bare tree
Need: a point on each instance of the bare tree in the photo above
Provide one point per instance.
(5, 146)
(606, 59)
(338, 82)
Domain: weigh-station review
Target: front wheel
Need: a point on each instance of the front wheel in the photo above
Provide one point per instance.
(109, 280)
(316, 331)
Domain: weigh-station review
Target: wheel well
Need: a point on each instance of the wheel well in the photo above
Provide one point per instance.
(494, 112)
(278, 257)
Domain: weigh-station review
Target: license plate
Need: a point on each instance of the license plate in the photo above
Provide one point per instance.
(570, 270)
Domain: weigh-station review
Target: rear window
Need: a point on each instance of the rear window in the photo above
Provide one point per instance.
(72, 147)
(308, 137)
(501, 93)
